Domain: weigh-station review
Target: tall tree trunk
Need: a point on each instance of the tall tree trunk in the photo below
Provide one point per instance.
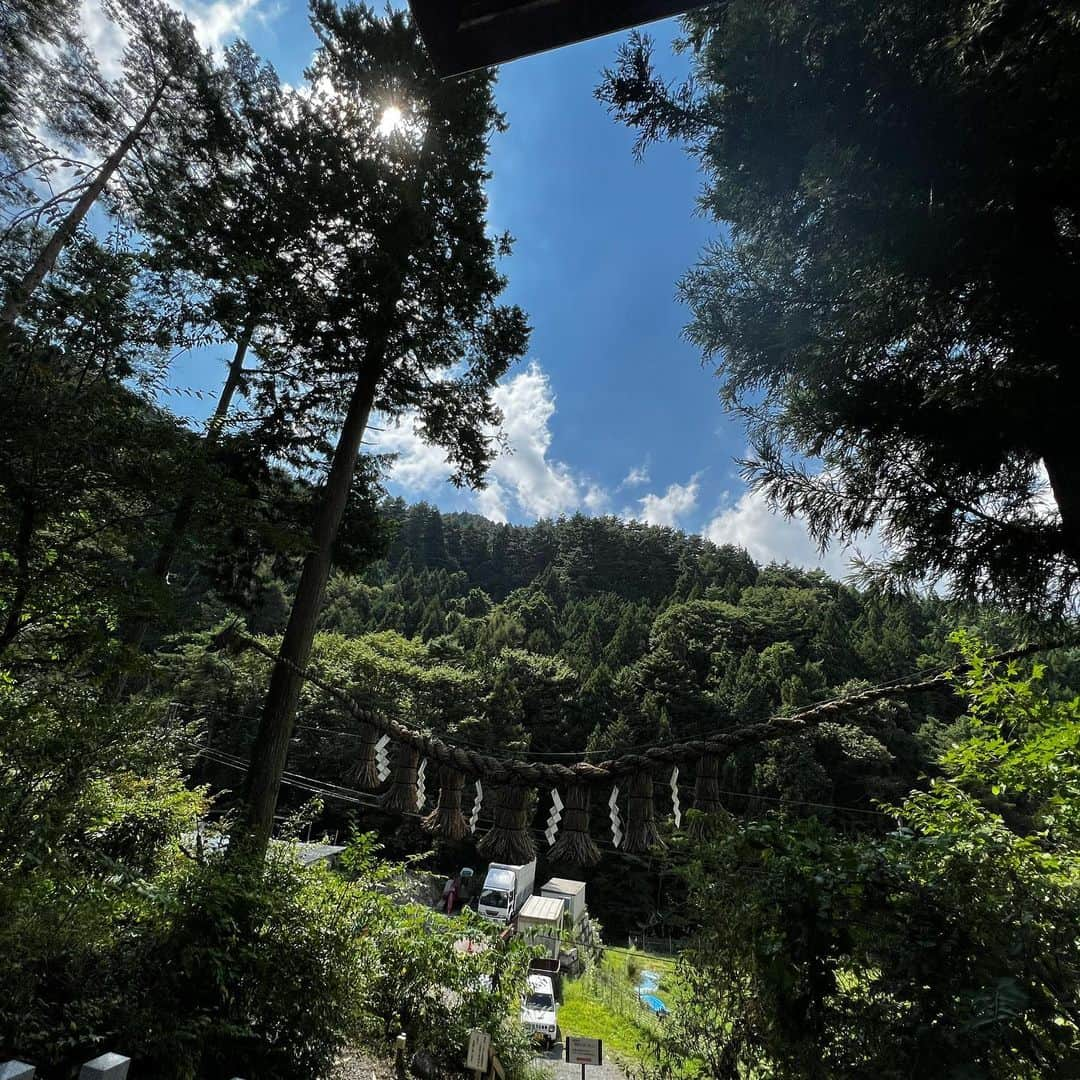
(186, 507)
(251, 834)
(135, 631)
(23, 540)
(1063, 469)
(46, 260)
(252, 831)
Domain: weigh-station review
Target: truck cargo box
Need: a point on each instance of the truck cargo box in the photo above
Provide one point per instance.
(572, 894)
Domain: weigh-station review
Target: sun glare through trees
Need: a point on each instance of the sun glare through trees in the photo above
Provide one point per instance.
(377, 694)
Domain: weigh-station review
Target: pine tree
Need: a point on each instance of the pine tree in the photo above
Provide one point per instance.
(166, 88)
(899, 185)
(421, 302)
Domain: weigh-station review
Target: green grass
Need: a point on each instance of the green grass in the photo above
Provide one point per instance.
(585, 1011)
(627, 965)
(581, 1014)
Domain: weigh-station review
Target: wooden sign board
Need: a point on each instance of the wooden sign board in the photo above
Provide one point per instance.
(478, 1050)
(580, 1051)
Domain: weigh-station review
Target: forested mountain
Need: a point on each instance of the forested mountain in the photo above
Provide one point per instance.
(595, 634)
(883, 890)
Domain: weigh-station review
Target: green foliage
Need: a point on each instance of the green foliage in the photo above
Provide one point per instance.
(113, 937)
(92, 800)
(889, 292)
(288, 226)
(947, 946)
(255, 971)
(83, 455)
(775, 643)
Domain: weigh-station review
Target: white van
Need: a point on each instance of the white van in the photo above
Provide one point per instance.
(538, 1010)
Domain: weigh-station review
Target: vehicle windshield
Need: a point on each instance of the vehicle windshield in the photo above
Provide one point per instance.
(541, 1002)
(494, 898)
(499, 879)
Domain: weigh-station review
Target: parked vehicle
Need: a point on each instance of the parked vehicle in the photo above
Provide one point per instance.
(506, 888)
(538, 1010)
(540, 922)
(572, 894)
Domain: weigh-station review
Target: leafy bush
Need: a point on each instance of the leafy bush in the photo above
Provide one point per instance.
(253, 972)
(112, 937)
(416, 981)
(90, 797)
(947, 947)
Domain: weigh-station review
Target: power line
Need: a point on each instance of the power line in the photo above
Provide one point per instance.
(777, 799)
(315, 786)
(489, 761)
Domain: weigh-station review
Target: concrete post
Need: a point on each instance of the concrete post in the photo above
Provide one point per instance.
(16, 1070)
(106, 1067)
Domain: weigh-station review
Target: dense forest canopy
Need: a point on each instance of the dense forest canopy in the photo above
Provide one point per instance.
(891, 292)
(205, 627)
(594, 634)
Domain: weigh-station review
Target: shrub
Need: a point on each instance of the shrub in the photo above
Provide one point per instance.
(254, 972)
(91, 797)
(112, 937)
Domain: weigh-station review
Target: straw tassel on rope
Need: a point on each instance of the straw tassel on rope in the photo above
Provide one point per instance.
(508, 840)
(364, 773)
(401, 795)
(706, 794)
(574, 844)
(641, 833)
(447, 819)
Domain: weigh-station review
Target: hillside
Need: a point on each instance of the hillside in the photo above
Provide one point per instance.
(598, 631)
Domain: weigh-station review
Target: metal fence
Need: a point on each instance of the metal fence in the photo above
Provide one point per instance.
(617, 996)
(665, 946)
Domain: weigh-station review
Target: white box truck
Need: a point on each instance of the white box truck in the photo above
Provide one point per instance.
(572, 894)
(540, 922)
(506, 888)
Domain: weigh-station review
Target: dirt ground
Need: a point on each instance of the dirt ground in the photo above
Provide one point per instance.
(360, 1065)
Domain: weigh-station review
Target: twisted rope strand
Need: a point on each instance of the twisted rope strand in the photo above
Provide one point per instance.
(475, 764)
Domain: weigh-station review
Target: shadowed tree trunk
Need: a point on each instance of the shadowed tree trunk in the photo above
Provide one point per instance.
(1063, 470)
(9, 631)
(185, 509)
(252, 832)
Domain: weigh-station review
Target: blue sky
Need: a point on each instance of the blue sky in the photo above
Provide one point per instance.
(611, 411)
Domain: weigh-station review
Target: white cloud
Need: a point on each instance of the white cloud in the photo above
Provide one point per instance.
(597, 500)
(526, 481)
(419, 467)
(667, 509)
(104, 38)
(523, 476)
(216, 23)
(770, 537)
(219, 21)
(491, 502)
(637, 476)
(541, 487)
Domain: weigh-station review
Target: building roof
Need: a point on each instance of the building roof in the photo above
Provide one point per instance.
(313, 853)
(566, 886)
(462, 35)
(547, 909)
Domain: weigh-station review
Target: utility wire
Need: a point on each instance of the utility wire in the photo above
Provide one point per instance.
(352, 795)
(541, 766)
